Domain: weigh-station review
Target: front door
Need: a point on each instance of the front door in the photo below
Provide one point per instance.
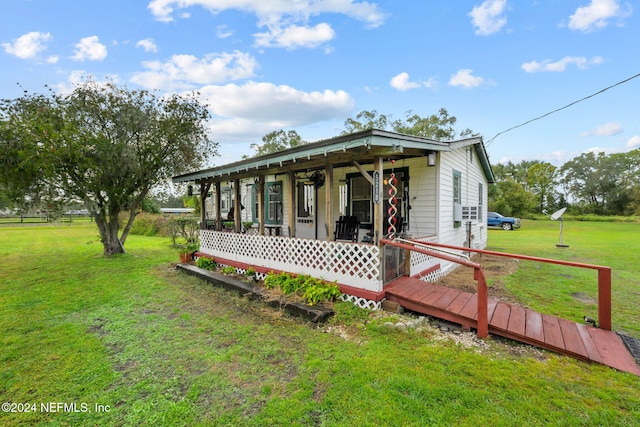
(306, 211)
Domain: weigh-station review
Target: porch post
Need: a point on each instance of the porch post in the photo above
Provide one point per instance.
(218, 225)
(261, 205)
(204, 190)
(237, 207)
(292, 204)
(328, 188)
(378, 209)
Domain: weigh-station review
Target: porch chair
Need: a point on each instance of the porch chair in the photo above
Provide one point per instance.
(346, 228)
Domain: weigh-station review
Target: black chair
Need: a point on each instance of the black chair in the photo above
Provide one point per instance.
(346, 228)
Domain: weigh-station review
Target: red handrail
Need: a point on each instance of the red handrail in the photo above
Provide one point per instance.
(604, 278)
(478, 275)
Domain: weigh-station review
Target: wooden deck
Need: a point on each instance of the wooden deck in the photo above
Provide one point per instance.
(514, 322)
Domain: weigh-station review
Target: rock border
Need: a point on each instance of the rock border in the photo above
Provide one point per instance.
(314, 314)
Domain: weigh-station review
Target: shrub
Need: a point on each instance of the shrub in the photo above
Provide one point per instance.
(228, 270)
(312, 290)
(187, 228)
(206, 263)
(148, 224)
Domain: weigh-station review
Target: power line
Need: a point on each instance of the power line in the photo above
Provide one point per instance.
(562, 108)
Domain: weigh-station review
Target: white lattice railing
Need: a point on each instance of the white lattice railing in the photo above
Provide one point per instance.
(351, 264)
(421, 262)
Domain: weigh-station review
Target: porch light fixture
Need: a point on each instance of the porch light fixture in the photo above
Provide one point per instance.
(431, 159)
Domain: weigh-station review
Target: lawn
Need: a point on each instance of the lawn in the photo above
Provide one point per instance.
(88, 340)
(570, 292)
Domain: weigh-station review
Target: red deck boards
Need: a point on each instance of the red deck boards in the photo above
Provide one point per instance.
(533, 326)
(572, 339)
(515, 322)
(553, 333)
(459, 303)
(500, 318)
(447, 298)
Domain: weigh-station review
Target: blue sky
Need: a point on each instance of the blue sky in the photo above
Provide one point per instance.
(307, 65)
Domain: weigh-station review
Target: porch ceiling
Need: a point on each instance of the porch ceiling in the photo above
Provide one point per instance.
(362, 147)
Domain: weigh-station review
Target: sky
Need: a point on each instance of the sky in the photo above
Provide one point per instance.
(308, 65)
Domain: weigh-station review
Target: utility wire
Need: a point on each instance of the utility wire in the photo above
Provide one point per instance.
(561, 108)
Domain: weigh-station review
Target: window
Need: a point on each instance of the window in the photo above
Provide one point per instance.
(273, 202)
(226, 200)
(361, 199)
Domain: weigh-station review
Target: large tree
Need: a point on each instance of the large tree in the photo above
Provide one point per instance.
(278, 140)
(102, 144)
(439, 126)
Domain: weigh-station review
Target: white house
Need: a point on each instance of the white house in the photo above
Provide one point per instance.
(284, 208)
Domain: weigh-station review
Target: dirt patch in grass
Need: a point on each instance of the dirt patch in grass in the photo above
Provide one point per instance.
(495, 269)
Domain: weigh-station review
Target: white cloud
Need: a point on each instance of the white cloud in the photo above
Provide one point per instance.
(27, 45)
(223, 31)
(90, 48)
(608, 129)
(185, 71)
(148, 45)
(488, 18)
(286, 22)
(634, 142)
(597, 15)
(295, 36)
(254, 108)
(559, 66)
(402, 83)
(268, 10)
(466, 79)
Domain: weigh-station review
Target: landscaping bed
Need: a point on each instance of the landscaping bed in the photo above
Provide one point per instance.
(315, 313)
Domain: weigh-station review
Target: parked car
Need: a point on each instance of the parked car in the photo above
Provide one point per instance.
(494, 219)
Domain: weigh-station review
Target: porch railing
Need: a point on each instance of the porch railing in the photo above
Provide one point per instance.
(352, 264)
(604, 277)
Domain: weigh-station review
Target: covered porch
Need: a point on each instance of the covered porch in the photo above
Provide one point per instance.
(283, 211)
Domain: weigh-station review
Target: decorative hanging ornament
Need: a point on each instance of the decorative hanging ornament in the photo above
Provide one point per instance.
(393, 210)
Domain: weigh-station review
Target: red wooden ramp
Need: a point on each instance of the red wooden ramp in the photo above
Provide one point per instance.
(514, 322)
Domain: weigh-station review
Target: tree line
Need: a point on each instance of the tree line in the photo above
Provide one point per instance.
(591, 183)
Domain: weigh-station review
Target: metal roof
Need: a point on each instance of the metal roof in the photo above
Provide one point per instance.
(361, 147)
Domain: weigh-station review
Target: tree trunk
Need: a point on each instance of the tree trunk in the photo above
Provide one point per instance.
(108, 227)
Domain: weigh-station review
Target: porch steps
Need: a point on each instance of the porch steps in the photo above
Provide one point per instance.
(514, 322)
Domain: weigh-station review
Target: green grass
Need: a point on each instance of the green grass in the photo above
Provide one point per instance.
(548, 288)
(161, 348)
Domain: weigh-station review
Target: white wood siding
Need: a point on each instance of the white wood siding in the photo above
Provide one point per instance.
(423, 194)
(465, 161)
